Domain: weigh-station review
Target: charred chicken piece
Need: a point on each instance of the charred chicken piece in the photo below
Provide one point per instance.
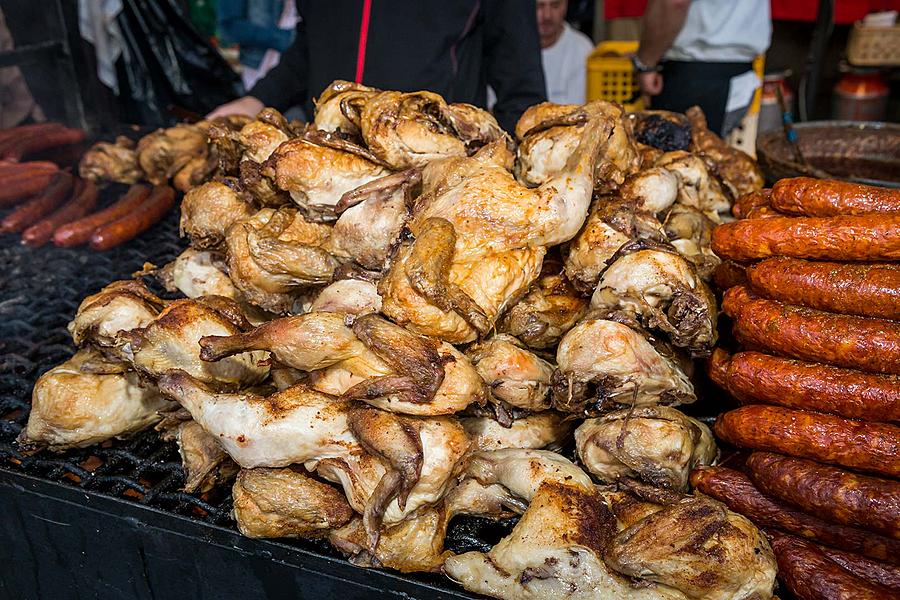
(546, 429)
(164, 152)
(699, 547)
(208, 210)
(206, 464)
(120, 306)
(663, 290)
(656, 444)
(275, 255)
(87, 400)
(661, 129)
(608, 361)
(611, 224)
(738, 170)
(374, 361)
(272, 503)
(549, 133)
(111, 162)
(515, 376)
(550, 309)
(412, 129)
(171, 341)
(480, 238)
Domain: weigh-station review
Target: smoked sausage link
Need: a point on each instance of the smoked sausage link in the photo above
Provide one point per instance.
(35, 209)
(831, 493)
(737, 492)
(157, 204)
(871, 238)
(853, 342)
(875, 571)
(80, 231)
(810, 575)
(867, 290)
(83, 201)
(746, 202)
(869, 447)
(756, 378)
(829, 198)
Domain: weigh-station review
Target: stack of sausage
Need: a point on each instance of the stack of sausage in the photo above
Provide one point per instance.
(814, 299)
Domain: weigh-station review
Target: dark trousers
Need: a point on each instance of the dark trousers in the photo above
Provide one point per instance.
(704, 84)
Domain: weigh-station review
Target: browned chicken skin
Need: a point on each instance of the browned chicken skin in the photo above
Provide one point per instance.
(111, 162)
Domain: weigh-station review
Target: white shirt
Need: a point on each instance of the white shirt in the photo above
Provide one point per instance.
(565, 67)
(723, 31)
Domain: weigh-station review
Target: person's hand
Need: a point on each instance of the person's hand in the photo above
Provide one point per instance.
(650, 83)
(248, 105)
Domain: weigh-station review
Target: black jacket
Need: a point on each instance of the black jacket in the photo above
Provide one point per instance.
(453, 47)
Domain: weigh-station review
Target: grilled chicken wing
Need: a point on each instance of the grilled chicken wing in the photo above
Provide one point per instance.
(663, 290)
(272, 503)
(609, 360)
(657, 444)
(611, 224)
(206, 464)
(480, 238)
(274, 255)
(208, 210)
(540, 430)
(120, 306)
(515, 376)
(87, 400)
(172, 341)
(111, 162)
(374, 361)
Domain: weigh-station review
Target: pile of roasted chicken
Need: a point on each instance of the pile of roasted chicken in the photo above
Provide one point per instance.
(398, 313)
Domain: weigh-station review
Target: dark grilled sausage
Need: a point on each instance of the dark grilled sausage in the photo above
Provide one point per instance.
(756, 378)
(16, 188)
(875, 571)
(80, 231)
(32, 211)
(157, 204)
(810, 575)
(828, 198)
(870, 447)
(867, 290)
(831, 493)
(738, 493)
(853, 342)
(83, 201)
(36, 143)
(870, 238)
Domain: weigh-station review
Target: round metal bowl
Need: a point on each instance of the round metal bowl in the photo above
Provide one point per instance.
(864, 152)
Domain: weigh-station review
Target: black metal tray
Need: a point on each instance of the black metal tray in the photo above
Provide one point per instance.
(110, 521)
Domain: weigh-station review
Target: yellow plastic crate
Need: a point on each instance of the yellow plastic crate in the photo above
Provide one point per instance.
(610, 75)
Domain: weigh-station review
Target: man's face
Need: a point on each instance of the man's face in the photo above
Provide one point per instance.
(550, 17)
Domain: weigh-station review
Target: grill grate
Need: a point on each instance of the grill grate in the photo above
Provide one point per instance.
(41, 290)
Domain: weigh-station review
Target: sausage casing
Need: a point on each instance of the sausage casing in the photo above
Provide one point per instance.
(756, 378)
(157, 204)
(853, 342)
(831, 493)
(83, 201)
(746, 202)
(869, 447)
(738, 493)
(35, 209)
(870, 238)
(867, 568)
(867, 290)
(80, 231)
(828, 198)
(810, 575)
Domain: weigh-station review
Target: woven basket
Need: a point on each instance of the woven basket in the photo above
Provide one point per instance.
(865, 152)
(874, 46)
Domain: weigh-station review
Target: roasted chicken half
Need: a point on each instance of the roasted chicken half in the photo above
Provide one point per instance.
(656, 444)
(609, 360)
(481, 236)
(208, 210)
(87, 400)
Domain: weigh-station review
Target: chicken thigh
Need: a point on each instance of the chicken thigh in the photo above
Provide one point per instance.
(120, 306)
